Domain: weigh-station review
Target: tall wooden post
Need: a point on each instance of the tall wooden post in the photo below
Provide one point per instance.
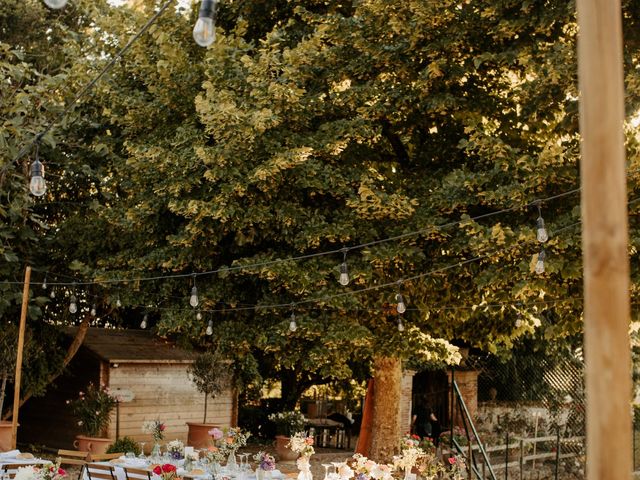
(604, 238)
(16, 388)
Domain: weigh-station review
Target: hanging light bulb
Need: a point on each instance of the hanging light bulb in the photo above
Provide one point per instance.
(198, 316)
(293, 326)
(519, 320)
(55, 4)
(209, 330)
(94, 311)
(400, 325)
(540, 263)
(118, 302)
(37, 186)
(400, 305)
(541, 232)
(53, 293)
(204, 31)
(344, 269)
(73, 304)
(193, 301)
(143, 323)
(44, 283)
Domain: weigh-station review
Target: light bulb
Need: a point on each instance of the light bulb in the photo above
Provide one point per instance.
(209, 330)
(292, 324)
(93, 310)
(540, 263)
(198, 316)
(344, 274)
(55, 4)
(37, 186)
(143, 324)
(400, 307)
(44, 283)
(204, 31)
(400, 325)
(193, 301)
(118, 302)
(541, 232)
(53, 293)
(73, 306)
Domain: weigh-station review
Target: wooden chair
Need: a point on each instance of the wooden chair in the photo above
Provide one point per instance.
(102, 457)
(73, 457)
(100, 471)
(137, 473)
(9, 470)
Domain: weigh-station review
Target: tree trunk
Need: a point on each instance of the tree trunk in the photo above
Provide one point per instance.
(71, 352)
(234, 406)
(291, 389)
(385, 424)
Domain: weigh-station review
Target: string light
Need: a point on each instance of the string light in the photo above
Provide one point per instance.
(541, 232)
(293, 326)
(118, 302)
(344, 269)
(44, 283)
(94, 311)
(193, 301)
(198, 316)
(73, 304)
(55, 4)
(539, 269)
(209, 330)
(400, 324)
(53, 293)
(143, 323)
(401, 307)
(37, 186)
(204, 31)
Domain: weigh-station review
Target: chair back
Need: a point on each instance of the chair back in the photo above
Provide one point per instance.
(100, 471)
(102, 457)
(73, 457)
(9, 470)
(137, 473)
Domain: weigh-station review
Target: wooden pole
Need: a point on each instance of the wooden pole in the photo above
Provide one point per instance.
(16, 388)
(604, 241)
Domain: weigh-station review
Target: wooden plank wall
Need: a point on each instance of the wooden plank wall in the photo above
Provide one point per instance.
(163, 391)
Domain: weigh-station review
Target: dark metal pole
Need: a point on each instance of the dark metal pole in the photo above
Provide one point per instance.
(117, 420)
(557, 452)
(506, 458)
(452, 411)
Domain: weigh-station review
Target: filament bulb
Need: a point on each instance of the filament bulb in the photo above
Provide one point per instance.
(292, 324)
(400, 307)
(37, 186)
(118, 302)
(193, 301)
(344, 274)
(400, 325)
(73, 305)
(541, 232)
(44, 283)
(204, 31)
(55, 4)
(540, 263)
(93, 310)
(53, 293)
(209, 330)
(143, 324)
(198, 316)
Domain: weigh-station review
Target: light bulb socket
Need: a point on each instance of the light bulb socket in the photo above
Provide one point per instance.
(37, 168)
(208, 9)
(542, 256)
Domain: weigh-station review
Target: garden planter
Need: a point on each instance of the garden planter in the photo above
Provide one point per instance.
(198, 436)
(94, 445)
(5, 436)
(284, 453)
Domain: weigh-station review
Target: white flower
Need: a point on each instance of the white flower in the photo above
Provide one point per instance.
(25, 473)
(345, 471)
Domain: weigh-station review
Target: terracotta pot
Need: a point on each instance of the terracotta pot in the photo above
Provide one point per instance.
(284, 453)
(93, 445)
(198, 436)
(5, 436)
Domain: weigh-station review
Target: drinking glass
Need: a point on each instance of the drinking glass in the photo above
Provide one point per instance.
(326, 470)
(142, 450)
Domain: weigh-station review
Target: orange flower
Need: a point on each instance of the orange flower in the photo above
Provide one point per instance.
(212, 448)
(229, 440)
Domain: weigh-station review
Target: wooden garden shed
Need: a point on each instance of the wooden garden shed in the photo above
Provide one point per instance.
(153, 369)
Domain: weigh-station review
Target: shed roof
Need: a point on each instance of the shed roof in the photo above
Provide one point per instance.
(132, 346)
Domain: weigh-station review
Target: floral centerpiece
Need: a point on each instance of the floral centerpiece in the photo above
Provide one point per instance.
(288, 423)
(265, 463)
(49, 471)
(93, 409)
(156, 429)
(225, 443)
(429, 467)
(166, 471)
(408, 458)
(366, 469)
(302, 444)
(175, 449)
(457, 467)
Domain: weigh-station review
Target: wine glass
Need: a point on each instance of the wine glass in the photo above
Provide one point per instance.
(326, 470)
(142, 450)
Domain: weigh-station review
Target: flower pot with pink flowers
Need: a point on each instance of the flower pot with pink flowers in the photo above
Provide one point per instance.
(92, 410)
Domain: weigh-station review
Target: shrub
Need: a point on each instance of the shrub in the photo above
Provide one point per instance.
(124, 445)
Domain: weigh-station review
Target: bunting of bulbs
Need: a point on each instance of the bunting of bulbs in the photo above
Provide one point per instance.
(204, 34)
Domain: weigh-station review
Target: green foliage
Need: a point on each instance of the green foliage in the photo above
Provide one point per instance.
(124, 445)
(209, 373)
(93, 409)
(288, 423)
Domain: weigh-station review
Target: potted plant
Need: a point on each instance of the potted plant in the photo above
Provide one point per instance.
(287, 425)
(210, 374)
(93, 410)
(8, 341)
